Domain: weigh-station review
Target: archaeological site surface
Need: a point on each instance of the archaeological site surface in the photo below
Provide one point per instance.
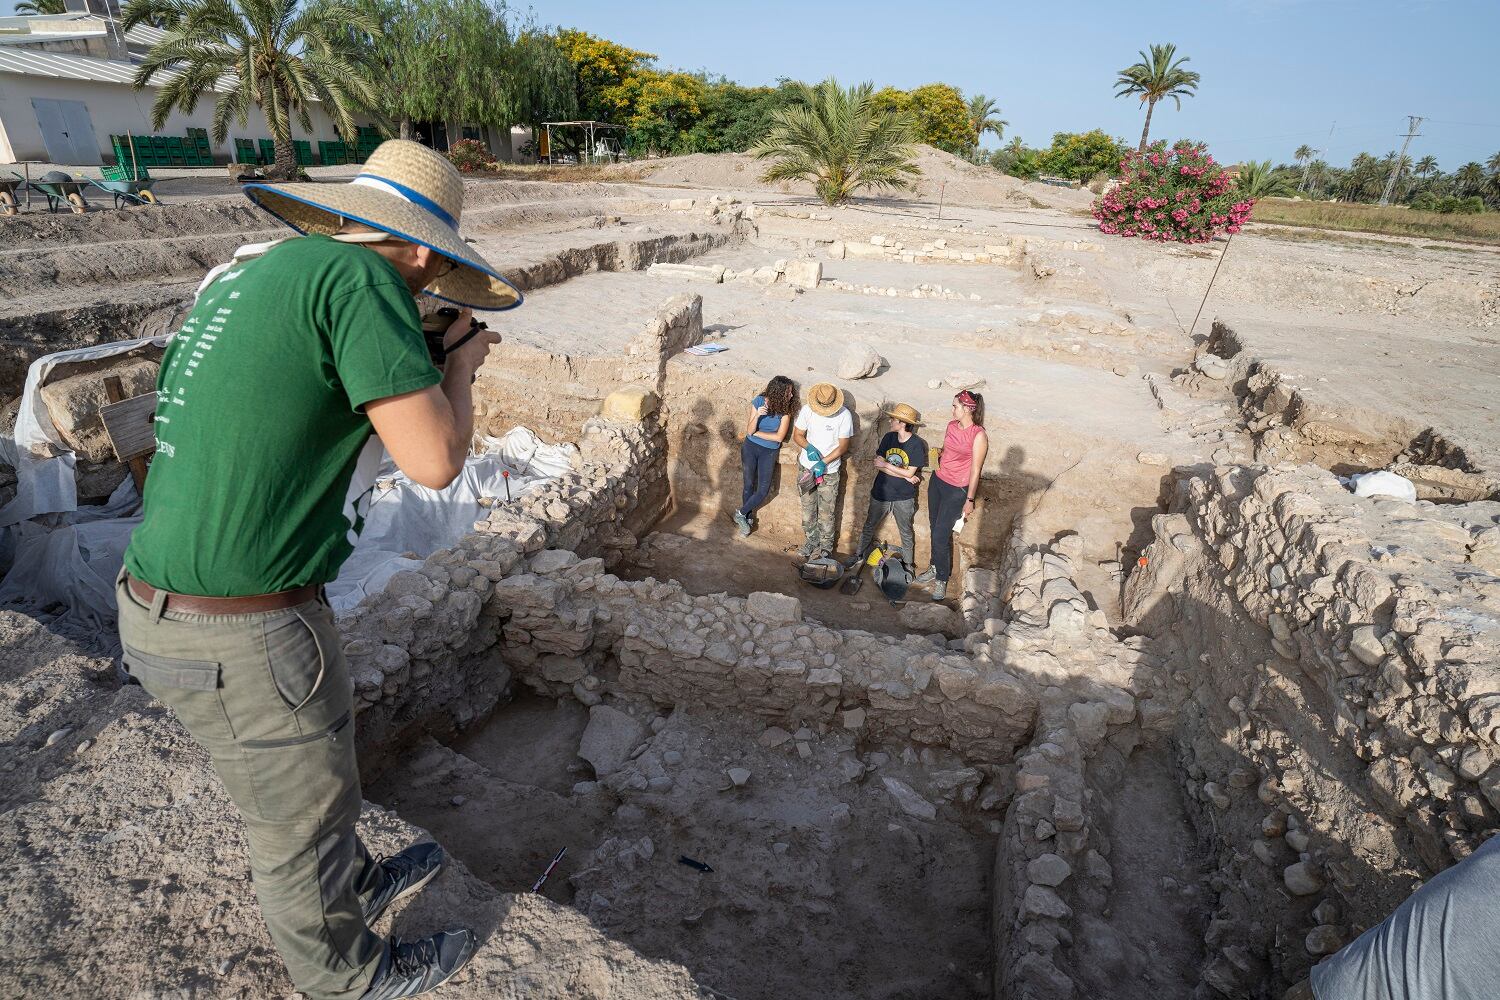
(1194, 716)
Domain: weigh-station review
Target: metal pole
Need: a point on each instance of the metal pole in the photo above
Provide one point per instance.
(133, 165)
(1210, 286)
(1411, 133)
(941, 189)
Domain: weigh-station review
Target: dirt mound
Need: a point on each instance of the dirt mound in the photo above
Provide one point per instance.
(958, 181)
(216, 215)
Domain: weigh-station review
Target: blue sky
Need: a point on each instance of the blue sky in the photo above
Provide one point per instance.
(1276, 73)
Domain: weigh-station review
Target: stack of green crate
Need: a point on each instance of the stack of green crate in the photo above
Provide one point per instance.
(244, 151)
(128, 159)
(197, 149)
(267, 151)
(368, 139)
(304, 152)
(332, 152)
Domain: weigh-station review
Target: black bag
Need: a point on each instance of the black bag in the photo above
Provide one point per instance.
(892, 576)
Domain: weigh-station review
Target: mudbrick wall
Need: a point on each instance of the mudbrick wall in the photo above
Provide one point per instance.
(1340, 659)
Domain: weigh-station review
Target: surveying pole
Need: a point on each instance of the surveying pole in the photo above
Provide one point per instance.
(1411, 133)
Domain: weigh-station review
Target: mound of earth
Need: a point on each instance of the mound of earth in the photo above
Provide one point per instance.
(958, 181)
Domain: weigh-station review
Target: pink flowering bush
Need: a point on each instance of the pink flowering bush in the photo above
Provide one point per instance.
(1179, 195)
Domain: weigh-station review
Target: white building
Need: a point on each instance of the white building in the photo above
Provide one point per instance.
(65, 88)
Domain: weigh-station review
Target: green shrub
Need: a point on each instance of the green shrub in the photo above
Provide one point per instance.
(1079, 156)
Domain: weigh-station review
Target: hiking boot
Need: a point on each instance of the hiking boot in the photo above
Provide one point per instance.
(805, 553)
(405, 873)
(818, 554)
(411, 969)
(743, 523)
(927, 576)
(940, 590)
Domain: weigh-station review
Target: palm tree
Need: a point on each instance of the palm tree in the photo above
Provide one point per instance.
(839, 141)
(1468, 179)
(1426, 166)
(1492, 164)
(41, 7)
(1258, 180)
(1304, 155)
(279, 55)
(1157, 77)
(985, 117)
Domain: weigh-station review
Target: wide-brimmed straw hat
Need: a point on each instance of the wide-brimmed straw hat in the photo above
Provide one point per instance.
(414, 194)
(825, 399)
(905, 414)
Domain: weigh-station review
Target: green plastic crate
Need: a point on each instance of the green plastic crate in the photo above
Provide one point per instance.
(268, 151)
(304, 152)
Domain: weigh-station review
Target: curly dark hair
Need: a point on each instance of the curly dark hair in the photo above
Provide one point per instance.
(781, 396)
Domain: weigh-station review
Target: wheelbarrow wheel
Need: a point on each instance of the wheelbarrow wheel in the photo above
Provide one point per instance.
(7, 203)
(148, 197)
(76, 203)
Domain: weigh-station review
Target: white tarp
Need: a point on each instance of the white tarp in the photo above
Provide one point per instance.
(43, 463)
(72, 559)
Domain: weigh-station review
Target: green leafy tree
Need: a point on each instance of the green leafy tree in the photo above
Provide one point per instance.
(41, 7)
(1303, 156)
(276, 55)
(1155, 78)
(937, 111)
(734, 118)
(657, 107)
(841, 141)
(1258, 180)
(442, 60)
(542, 79)
(1427, 166)
(1080, 156)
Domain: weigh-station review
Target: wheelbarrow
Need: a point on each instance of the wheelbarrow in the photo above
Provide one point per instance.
(8, 187)
(61, 189)
(127, 192)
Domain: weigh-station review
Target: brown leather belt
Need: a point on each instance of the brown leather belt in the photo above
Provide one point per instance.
(225, 605)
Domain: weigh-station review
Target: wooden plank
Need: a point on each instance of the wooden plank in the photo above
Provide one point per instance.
(129, 425)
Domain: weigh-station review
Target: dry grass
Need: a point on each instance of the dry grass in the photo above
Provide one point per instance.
(578, 173)
(1388, 221)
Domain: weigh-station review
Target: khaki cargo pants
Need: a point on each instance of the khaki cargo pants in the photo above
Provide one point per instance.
(818, 506)
(268, 695)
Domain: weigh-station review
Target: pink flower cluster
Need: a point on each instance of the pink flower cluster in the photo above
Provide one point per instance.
(1193, 189)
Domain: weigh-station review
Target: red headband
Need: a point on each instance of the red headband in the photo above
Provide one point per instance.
(967, 401)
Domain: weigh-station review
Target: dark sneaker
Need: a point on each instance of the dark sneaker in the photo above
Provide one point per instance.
(940, 590)
(405, 873)
(411, 969)
(927, 576)
(743, 523)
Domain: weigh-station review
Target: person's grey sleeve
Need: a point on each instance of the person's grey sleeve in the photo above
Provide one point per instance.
(1443, 943)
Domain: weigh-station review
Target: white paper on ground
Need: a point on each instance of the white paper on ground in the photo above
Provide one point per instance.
(73, 558)
(1383, 484)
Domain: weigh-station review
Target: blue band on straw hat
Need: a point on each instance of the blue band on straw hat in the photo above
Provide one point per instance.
(405, 193)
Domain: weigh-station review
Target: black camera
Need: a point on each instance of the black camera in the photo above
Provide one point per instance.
(435, 328)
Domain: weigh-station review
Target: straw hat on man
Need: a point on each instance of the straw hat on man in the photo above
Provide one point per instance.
(298, 369)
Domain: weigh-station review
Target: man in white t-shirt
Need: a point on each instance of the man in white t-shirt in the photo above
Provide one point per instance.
(822, 431)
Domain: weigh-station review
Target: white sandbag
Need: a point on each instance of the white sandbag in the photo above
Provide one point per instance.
(1383, 484)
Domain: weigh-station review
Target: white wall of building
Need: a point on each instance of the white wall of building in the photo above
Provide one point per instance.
(116, 109)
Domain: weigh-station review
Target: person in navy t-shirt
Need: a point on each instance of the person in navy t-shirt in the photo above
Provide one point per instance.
(899, 461)
(766, 427)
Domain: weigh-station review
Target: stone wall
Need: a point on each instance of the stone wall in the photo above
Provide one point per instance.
(1340, 663)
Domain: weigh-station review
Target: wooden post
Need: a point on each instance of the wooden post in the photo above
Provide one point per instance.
(942, 188)
(134, 168)
(115, 393)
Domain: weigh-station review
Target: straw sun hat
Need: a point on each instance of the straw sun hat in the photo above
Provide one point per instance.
(825, 399)
(905, 414)
(414, 194)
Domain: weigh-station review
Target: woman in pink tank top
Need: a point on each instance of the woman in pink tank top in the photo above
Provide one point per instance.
(951, 492)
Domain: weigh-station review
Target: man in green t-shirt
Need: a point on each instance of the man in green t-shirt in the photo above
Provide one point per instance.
(294, 373)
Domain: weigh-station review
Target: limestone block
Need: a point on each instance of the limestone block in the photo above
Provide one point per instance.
(74, 402)
(609, 738)
(713, 274)
(927, 617)
(803, 273)
(1041, 901)
(1049, 870)
(680, 204)
(773, 609)
(630, 405)
(859, 360)
(907, 798)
